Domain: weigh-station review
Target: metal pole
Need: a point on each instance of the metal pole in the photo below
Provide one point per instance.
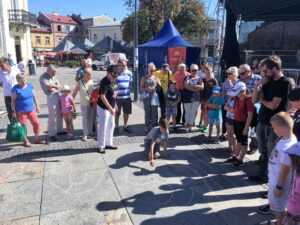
(136, 57)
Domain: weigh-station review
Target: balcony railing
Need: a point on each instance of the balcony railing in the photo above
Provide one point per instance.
(22, 17)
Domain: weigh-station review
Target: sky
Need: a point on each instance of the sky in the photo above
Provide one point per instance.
(90, 8)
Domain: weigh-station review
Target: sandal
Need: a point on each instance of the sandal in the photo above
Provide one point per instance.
(116, 130)
(39, 142)
(127, 129)
(27, 144)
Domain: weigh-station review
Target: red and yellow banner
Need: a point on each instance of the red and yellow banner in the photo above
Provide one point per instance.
(176, 56)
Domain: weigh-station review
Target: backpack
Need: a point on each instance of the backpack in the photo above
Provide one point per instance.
(254, 120)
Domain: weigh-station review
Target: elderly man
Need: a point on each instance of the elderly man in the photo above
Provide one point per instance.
(79, 73)
(124, 81)
(8, 80)
(250, 80)
(164, 75)
(179, 78)
(50, 86)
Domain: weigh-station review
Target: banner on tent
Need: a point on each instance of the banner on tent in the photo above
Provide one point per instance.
(176, 56)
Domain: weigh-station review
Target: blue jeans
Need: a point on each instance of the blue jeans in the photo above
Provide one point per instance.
(147, 143)
(266, 142)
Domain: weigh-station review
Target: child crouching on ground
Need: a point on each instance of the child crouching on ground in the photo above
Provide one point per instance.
(279, 168)
(157, 136)
(292, 216)
(172, 97)
(214, 104)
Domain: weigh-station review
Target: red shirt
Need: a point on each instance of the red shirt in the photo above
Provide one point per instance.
(180, 79)
(94, 97)
(242, 107)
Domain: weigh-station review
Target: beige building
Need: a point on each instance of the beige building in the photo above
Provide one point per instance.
(15, 23)
(112, 29)
(94, 21)
(41, 39)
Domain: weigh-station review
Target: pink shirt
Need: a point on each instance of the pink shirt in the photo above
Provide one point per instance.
(293, 203)
(65, 102)
(180, 79)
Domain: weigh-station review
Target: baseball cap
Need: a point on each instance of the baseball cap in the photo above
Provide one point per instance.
(237, 88)
(216, 89)
(294, 149)
(165, 66)
(66, 88)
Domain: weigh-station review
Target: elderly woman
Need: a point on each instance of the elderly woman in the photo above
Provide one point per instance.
(85, 87)
(191, 96)
(179, 77)
(25, 106)
(106, 109)
(148, 88)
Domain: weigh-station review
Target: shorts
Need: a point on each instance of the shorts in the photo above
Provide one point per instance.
(229, 121)
(171, 111)
(147, 144)
(238, 128)
(67, 115)
(124, 103)
(278, 204)
(204, 105)
(216, 121)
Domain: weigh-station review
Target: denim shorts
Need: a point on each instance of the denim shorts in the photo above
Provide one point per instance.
(216, 121)
(229, 121)
(171, 111)
(278, 204)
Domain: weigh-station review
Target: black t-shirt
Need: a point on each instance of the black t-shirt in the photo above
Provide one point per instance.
(296, 129)
(208, 87)
(279, 88)
(110, 90)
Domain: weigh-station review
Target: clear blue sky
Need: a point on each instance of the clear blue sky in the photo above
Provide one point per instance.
(89, 8)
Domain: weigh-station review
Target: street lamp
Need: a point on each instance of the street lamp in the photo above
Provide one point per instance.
(136, 54)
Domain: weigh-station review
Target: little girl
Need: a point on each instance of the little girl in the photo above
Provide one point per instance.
(292, 216)
(67, 106)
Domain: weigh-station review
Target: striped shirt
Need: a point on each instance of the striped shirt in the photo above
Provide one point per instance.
(124, 80)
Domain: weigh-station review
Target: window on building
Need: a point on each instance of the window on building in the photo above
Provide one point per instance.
(95, 37)
(47, 40)
(37, 40)
(68, 29)
(115, 36)
(59, 28)
(75, 30)
(59, 40)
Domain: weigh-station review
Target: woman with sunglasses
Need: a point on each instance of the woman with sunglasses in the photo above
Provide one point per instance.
(148, 87)
(106, 109)
(191, 96)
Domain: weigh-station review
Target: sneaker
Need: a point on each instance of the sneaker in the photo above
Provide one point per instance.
(232, 159)
(101, 150)
(200, 125)
(84, 138)
(128, 130)
(264, 195)
(112, 147)
(53, 138)
(156, 155)
(238, 163)
(265, 209)
(62, 133)
(203, 129)
(70, 136)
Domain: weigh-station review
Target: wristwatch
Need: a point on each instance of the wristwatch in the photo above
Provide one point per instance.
(279, 187)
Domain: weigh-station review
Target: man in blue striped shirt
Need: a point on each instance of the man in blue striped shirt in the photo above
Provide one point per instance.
(124, 81)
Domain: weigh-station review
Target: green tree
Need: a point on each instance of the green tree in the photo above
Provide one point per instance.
(187, 15)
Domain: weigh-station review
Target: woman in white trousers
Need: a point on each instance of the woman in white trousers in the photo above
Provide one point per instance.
(106, 109)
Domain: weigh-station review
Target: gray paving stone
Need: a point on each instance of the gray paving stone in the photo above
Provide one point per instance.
(77, 190)
(24, 221)
(20, 199)
(87, 216)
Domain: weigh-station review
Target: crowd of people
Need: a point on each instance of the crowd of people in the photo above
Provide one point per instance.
(264, 106)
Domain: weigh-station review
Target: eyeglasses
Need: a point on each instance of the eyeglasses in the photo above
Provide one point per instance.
(229, 73)
(242, 73)
(194, 71)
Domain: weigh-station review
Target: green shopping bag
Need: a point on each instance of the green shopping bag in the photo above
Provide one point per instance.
(15, 132)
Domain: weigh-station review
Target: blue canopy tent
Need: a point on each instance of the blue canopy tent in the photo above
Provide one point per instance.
(156, 50)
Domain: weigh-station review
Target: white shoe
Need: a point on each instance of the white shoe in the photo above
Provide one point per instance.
(156, 155)
(84, 138)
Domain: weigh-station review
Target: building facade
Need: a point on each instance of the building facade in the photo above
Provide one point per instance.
(94, 21)
(41, 39)
(62, 27)
(112, 29)
(15, 23)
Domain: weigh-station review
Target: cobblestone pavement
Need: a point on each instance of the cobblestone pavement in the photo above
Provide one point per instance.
(67, 182)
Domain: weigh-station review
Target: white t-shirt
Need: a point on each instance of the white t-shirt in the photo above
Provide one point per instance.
(201, 75)
(277, 157)
(8, 80)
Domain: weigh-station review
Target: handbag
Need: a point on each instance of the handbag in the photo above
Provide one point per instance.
(15, 132)
(143, 95)
(155, 99)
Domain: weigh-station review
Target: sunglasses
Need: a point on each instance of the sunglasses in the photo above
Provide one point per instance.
(229, 73)
(194, 71)
(243, 73)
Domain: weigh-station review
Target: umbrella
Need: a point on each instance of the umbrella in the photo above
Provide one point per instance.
(86, 44)
(78, 51)
(64, 47)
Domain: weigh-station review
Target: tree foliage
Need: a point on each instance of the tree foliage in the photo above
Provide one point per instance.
(187, 15)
